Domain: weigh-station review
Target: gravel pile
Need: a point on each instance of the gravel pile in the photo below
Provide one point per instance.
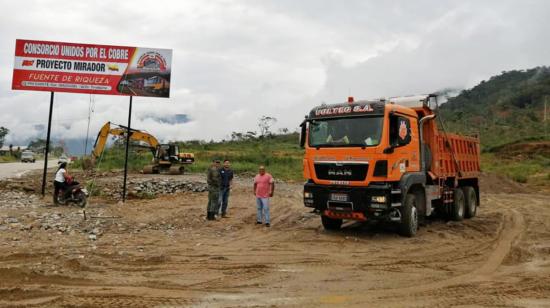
(154, 187)
(18, 199)
(167, 186)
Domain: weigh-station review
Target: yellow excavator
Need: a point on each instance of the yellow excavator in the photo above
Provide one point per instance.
(166, 157)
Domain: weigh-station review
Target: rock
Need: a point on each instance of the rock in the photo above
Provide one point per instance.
(26, 227)
(92, 237)
(95, 231)
(12, 220)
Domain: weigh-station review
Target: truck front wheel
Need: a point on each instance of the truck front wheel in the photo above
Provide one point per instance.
(331, 223)
(409, 217)
(458, 205)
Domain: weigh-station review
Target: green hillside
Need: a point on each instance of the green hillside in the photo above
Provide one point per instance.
(504, 109)
(507, 112)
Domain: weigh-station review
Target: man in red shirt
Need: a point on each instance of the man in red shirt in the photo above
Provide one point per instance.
(264, 187)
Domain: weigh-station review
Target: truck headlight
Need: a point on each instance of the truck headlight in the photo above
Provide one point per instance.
(308, 195)
(378, 199)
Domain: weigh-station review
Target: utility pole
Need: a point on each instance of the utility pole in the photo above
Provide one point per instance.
(544, 118)
(90, 110)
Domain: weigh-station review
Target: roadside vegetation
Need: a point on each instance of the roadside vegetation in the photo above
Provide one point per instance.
(526, 161)
(8, 159)
(281, 155)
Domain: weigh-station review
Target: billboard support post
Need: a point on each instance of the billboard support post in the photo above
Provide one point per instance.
(128, 132)
(47, 146)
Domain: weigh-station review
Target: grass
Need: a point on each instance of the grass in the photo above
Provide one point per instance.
(535, 170)
(281, 155)
(8, 159)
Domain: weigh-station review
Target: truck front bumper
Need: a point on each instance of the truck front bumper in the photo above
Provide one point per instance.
(357, 203)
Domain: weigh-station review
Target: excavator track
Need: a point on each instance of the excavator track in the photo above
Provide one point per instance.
(149, 169)
(176, 170)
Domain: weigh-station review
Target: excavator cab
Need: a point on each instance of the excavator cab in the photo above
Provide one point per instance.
(168, 159)
(167, 153)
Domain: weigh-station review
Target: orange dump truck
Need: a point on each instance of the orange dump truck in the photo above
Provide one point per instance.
(387, 160)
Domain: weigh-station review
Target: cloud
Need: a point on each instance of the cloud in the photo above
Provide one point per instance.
(468, 43)
(235, 61)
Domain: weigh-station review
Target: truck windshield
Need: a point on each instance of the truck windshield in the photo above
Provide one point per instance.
(345, 132)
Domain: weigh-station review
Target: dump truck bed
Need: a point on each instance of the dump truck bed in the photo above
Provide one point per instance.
(454, 155)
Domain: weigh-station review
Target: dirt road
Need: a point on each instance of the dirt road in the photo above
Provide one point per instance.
(162, 253)
(18, 169)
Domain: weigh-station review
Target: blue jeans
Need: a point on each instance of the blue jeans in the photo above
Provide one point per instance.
(224, 198)
(262, 205)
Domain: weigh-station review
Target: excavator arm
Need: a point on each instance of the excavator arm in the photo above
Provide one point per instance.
(120, 130)
(137, 135)
(101, 141)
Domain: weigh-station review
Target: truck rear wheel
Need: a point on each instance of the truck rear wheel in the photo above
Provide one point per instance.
(409, 217)
(458, 205)
(470, 200)
(331, 223)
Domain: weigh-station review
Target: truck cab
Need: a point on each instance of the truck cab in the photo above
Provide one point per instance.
(371, 160)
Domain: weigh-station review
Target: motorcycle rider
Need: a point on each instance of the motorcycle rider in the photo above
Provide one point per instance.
(60, 182)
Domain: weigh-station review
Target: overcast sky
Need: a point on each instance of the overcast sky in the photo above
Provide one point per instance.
(234, 61)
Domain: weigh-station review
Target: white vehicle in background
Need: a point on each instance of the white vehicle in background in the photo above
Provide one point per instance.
(27, 157)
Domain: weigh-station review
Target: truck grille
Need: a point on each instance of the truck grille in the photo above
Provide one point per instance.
(341, 172)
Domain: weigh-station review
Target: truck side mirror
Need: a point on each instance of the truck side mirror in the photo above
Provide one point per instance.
(303, 134)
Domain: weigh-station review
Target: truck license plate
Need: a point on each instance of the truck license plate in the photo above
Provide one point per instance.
(339, 197)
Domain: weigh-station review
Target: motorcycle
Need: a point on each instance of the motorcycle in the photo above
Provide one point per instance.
(77, 194)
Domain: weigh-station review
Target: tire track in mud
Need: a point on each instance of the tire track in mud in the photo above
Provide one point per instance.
(38, 302)
(511, 228)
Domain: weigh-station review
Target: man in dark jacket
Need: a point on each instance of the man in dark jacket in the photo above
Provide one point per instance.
(213, 179)
(227, 178)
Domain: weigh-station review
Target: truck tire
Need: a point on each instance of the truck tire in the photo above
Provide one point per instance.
(331, 223)
(409, 217)
(458, 206)
(470, 201)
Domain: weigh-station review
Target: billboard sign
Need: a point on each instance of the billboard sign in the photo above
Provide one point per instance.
(93, 69)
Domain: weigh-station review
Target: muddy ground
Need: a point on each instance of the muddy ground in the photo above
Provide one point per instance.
(162, 253)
